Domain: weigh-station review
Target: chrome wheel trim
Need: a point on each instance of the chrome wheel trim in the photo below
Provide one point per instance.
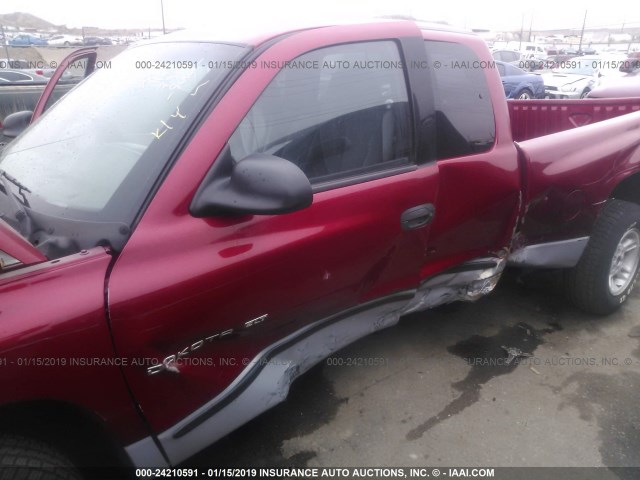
(624, 263)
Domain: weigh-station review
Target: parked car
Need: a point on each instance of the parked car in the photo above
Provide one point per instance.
(92, 41)
(519, 84)
(27, 40)
(534, 49)
(521, 60)
(21, 76)
(534, 56)
(65, 41)
(554, 62)
(631, 64)
(575, 79)
(179, 244)
(507, 56)
(627, 86)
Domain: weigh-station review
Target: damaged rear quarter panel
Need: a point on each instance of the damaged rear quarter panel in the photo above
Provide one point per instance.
(571, 174)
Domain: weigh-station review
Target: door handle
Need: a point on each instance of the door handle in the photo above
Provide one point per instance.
(417, 217)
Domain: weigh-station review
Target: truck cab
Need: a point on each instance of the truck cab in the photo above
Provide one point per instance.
(231, 211)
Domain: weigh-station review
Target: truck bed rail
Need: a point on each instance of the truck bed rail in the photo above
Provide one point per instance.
(536, 118)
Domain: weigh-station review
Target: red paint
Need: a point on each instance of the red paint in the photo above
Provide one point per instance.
(345, 249)
(584, 163)
(52, 320)
(180, 279)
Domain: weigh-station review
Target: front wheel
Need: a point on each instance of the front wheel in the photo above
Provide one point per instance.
(608, 268)
(525, 95)
(29, 459)
(584, 93)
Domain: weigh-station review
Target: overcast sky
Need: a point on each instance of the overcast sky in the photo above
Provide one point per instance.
(496, 15)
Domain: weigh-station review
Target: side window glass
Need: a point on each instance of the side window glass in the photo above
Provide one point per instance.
(501, 69)
(335, 112)
(465, 124)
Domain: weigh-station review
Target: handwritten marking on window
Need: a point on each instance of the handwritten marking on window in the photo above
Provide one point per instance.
(198, 87)
(178, 114)
(158, 133)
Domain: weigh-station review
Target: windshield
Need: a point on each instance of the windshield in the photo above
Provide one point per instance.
(94, 155)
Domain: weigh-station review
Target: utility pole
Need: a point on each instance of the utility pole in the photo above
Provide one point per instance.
(164, 31)
(530, 25)
(584, 22)
(6, 48)
(521, 32)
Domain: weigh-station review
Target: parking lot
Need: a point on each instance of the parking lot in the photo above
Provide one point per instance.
(441, 393)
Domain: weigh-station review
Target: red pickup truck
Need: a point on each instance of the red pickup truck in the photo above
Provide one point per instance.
(189, 230)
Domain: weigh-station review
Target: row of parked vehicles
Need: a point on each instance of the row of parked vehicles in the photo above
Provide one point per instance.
(566, 76)
(60, 40)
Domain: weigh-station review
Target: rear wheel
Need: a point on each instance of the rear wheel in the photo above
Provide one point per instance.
(608, 268)
(525, 94)
(29, 459)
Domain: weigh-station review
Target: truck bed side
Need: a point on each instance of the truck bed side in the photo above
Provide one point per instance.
(570, 174)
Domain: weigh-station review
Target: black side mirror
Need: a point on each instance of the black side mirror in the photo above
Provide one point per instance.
(15, 123)
(259, 184)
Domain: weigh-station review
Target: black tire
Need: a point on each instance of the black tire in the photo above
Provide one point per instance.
(28, 459)
(525, 94)
(588, 284)
(67, 44)
(584, 93)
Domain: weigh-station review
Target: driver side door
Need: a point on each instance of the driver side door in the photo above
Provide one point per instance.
(208, 296)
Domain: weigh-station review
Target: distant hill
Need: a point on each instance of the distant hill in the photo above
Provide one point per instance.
(25, 20)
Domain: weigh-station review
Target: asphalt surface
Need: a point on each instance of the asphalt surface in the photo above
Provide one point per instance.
(436, 390)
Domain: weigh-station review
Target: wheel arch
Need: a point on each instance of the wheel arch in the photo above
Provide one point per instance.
(79, 434)
(628, 189)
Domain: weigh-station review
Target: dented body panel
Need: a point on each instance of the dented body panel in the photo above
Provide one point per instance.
(570, 174)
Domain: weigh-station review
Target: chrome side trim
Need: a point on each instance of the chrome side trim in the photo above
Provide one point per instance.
(561, 254)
